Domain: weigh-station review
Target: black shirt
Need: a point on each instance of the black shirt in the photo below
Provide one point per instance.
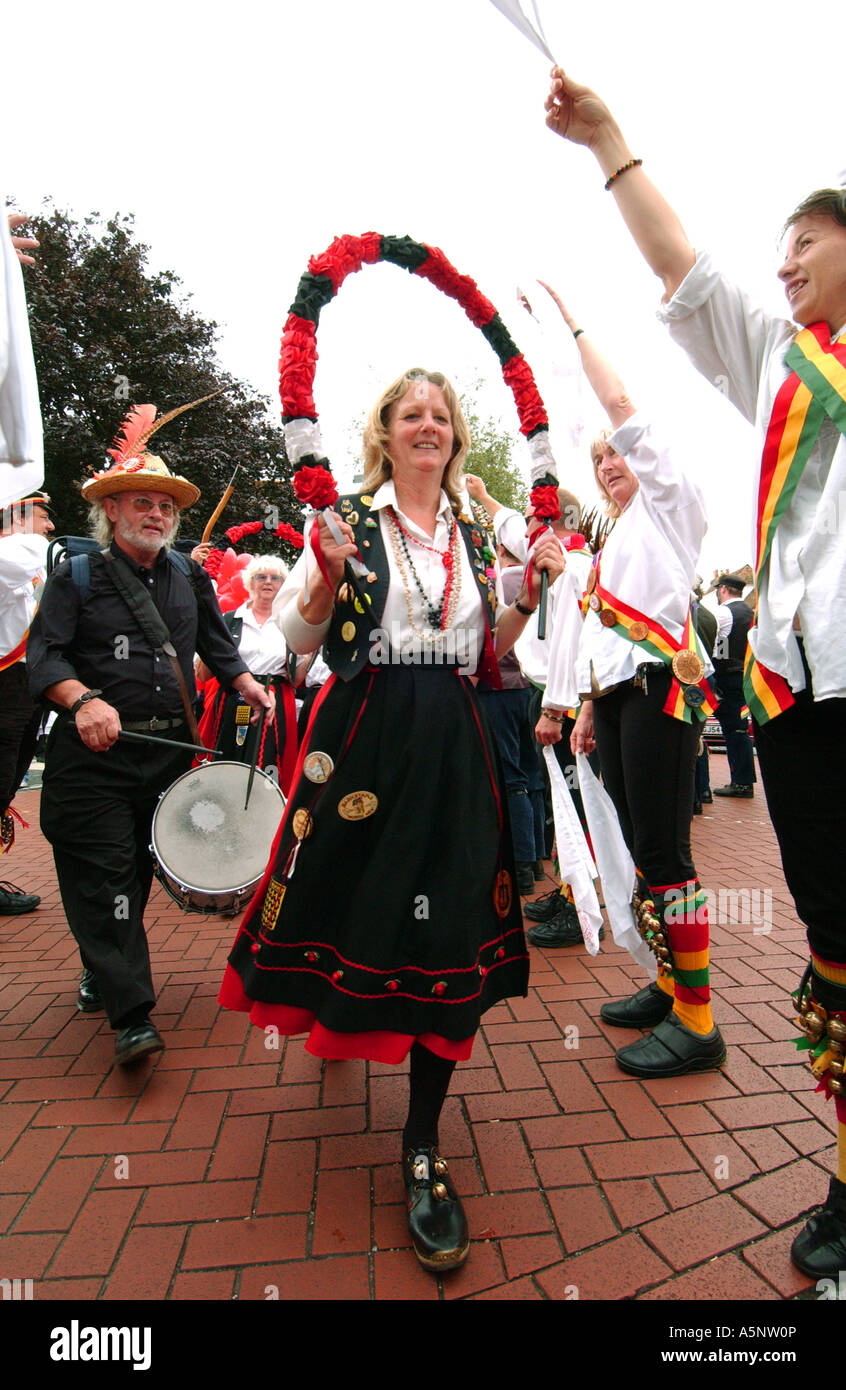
(95, 639)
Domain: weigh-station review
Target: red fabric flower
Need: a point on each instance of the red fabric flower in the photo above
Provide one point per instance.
(443, 275)
(247, 528)
(315, 486)
(214, 560)
(297, 363)
(518, 375)
(346, 255)
(545, 503)
(285, 532)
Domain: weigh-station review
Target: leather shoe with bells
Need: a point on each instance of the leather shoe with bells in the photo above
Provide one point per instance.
(88, 1000)
(642, 1010)
(672, 1050)
(131, 1044)
(436, 1220)
(735, 789)
(820, 1247)
(13, 900)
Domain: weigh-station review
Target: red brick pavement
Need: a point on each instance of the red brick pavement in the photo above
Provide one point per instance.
(227, 1168)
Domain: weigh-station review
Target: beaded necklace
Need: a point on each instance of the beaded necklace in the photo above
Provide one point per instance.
(441, 615)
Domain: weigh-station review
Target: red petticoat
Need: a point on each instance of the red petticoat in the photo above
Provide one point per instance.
(380, 1046)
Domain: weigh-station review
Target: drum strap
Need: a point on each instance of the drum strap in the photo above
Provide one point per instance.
(152, 624)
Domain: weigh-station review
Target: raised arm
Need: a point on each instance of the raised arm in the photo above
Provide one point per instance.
(607, 385)
(577, 114)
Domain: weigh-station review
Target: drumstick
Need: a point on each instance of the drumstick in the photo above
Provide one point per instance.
(171, 743)
(264, 680)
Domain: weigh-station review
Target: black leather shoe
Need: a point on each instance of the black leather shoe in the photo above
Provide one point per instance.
(541, 909)
(735, 789)
(88, 1000)
(819, 1250)
(540, 871)
(563, 930)
(131, 1044)
(706, 798)
(13, 900)
(642, 1010)
(672, 1050)
(436, 1220)
(697, 808)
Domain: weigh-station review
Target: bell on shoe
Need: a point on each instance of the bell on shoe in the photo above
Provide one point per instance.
(14, 900)
(819, 1250)
(89, 1000)
(671, 1049)
(735, 789)
(642, 1010)
(436, 1221)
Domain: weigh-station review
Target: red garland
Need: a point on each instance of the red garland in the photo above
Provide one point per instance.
(345, 256)
(248, 528)
(213, 562)
(545, 503)
(285, 532)
(518, 375)
(440, 273)
(297, 364)
(315, 486)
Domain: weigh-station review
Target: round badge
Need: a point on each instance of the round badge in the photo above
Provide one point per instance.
(608, 617)
(591, 581)
(687, 667)
(502, 893)
(693, 696)
(595, 602)
(638, 632)
(302, 823)
(358, 805)
(318, 767)
(366, 500)
(348, 632)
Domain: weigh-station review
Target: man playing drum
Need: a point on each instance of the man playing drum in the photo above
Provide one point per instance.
(94, 660)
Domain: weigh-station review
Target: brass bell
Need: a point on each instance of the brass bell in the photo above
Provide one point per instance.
(814, 1027)
(835, 1066)
(439, 1192)
(836, 1087)
(648, 904)
(660, 939)
(837, 1030)
(440, 1167)
(652, 923)
(662, 953)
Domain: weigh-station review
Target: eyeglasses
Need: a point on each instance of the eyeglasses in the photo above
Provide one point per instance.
(264, 578)
(143, 504)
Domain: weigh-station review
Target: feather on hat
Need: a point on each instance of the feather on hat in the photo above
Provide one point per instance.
(134, 468)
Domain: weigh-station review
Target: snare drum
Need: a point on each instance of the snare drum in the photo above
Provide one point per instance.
(209, 852)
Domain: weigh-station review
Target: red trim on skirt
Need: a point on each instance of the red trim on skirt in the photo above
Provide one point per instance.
(379, 1046)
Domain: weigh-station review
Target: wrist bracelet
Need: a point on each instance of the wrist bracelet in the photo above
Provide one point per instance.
(553, 715)
(577, 331)
(623, 169)
(521, 608)
(83, 700)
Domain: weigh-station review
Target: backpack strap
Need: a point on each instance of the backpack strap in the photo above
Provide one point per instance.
(81, 574)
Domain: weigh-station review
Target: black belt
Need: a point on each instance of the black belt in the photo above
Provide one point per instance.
(149, 726)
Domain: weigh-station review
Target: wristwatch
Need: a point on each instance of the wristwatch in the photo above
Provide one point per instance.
(83, 700)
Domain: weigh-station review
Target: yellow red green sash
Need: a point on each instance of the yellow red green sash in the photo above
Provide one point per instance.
(16, 654)
(661, 646)
(816, 388)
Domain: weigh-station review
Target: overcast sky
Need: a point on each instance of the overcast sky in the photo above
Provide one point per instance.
(244, 138)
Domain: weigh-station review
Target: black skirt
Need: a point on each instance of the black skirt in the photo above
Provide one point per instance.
(397, 910)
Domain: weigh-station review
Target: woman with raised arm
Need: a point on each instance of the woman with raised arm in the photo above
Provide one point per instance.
(640, 675)
(789, 379)
(388, 920)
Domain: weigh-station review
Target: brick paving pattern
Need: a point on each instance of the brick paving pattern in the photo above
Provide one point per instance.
(225, 1166)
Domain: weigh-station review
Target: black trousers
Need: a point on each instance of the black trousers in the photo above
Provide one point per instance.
(735, 728)
(648, 762)
(802, 757)
(97, 811)
(19, 721)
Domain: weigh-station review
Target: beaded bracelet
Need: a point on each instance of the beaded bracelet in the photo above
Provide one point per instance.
(632, 164)
(577, 331)
(553, 715)
(521, 608)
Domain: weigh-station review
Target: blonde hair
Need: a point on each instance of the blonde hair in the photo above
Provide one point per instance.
(274, 564)
(377, 465)
(598, 450)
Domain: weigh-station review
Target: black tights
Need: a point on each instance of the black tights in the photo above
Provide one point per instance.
(428, 1084)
